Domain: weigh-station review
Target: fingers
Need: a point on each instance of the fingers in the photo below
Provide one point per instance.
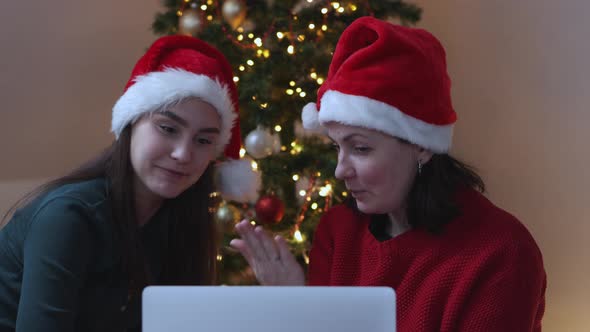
(261, 252)
(259, 243)
(242, 247)
(256, 243)
(284, 252)
(268, 244)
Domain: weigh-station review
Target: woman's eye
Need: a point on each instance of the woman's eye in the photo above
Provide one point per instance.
(167, 129)
(362, 149)
(204, 141)
(336, 147)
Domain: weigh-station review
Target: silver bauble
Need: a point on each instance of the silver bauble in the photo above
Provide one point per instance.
(259, 143)
(191, 22)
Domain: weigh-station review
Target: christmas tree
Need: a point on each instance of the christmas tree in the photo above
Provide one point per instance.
(280, 51)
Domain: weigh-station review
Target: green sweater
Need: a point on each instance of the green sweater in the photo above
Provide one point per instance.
(60, 268)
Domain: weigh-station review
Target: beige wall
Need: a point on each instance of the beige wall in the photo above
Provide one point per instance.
(520, 87)
(62, 66)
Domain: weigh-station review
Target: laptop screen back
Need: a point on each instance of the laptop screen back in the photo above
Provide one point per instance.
(268, 309)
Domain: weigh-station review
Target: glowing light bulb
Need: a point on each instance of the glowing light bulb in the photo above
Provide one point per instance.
(297, 236)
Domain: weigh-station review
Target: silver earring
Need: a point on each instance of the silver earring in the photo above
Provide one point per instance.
(419, 167)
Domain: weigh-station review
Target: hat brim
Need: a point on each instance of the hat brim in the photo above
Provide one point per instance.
(373, 114)
(150, 92)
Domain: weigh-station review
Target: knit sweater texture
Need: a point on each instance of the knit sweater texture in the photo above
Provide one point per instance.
(484, 272)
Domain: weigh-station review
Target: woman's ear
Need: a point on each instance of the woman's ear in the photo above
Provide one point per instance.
(424, 155)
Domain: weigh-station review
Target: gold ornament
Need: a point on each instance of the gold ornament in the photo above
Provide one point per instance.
(234, 12)
(191, 22)
(227, 216)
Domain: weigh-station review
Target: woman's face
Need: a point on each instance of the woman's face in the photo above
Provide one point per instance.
(171, 149)
(378, 169)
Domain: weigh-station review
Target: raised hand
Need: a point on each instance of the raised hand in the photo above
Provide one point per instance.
(269, 257)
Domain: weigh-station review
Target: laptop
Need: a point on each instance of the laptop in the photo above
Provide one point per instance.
(268, 309)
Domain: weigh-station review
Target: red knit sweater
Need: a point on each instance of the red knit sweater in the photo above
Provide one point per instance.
(483, 273)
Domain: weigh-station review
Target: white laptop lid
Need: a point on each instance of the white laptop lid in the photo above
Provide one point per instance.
(268, 309)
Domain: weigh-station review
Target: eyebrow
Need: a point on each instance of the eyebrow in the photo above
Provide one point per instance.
(175, 117)
(349, 137)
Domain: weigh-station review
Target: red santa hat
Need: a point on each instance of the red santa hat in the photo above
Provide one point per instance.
(388, 78)
(178, 67)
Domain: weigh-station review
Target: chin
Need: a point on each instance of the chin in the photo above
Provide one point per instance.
(168, 192)
(371, 209)
(365, 208)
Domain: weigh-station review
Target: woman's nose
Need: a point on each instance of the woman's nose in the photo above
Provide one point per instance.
(344, 169)
(182, 152)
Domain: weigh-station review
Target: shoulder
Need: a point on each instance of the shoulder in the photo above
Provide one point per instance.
(85, 195)
(71, 206)
(493, 230)
(89, 193)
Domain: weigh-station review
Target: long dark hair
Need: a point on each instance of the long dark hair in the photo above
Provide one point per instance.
(192, 245)
(431, 201)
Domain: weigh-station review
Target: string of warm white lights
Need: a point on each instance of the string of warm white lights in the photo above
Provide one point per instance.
(260, 44)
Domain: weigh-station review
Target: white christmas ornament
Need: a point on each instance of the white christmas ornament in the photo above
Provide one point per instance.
(259, 143)
(239, 182)
(276, 143)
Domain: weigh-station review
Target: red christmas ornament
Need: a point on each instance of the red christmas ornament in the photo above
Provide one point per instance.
(269, 209)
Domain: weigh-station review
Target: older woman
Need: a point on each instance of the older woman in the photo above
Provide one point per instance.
(417, 221)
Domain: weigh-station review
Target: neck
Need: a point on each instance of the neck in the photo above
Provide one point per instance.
(146, 204)
(398, 223)
(144, 211)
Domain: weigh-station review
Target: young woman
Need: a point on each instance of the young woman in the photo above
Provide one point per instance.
(77, 254)
(417, 221)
